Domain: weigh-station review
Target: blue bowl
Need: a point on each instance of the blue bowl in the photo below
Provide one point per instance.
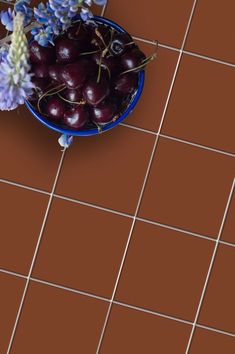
(129, 109)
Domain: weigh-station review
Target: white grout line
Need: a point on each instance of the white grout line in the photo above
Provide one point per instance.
(215, 330)
(35, 253)
(104, 9)
(13, 273)
(137, 128)
(197, 145)
(79, 292)
(210, 267)
(176, 229)
(187, 52)
(112, 211)
(218, 61)
(69, 289)
(227, 243)
(155, 313)
(119, 303)
(93, 206)
(144, 183)
(24, 186)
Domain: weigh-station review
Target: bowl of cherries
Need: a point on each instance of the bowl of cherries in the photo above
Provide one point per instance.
(89, 81)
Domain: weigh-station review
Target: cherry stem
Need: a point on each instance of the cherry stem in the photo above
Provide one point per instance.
(142, 65)
(109, 73)
(97, 32)
(93, 52)
(107, 49)
(129, 43)
(100, 130)
(78, 30)
(49, 93)
(99, 71)
(82, 102)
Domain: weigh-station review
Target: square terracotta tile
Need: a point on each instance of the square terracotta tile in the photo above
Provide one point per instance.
(211, 342)
(162, 272)
(158, 76)
(22, 213)
(212, 28)
(30, 153)
(11, 289)
(162, 20)
(58, 321)
(86, 246)
(229, 227)
(218, 310)
(201, 108)
(107, 169)
(188, 187)
(132, 331)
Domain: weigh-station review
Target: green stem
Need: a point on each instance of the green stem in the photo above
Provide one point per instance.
(73, 102)
(87, 53)
(100, 130)
(49, 93)
(142, 65)
(99, 72)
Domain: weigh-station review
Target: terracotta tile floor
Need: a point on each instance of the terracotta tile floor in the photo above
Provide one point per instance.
(125, 242)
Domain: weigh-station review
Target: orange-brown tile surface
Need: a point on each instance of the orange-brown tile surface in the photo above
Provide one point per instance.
(19, 232)
(146, 333)
(218, 308)
(162, 19)
(86, 246)
(212, 342)
(11, 289)
(188, 187)
(58, 321)
(201, 108)
(107, 169)
(158, 270)
(212, 29)
(124, 243)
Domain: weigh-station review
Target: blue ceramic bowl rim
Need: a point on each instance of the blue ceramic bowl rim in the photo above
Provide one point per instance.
(108, 126)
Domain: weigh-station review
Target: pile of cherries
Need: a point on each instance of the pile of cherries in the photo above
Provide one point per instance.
(87, 78)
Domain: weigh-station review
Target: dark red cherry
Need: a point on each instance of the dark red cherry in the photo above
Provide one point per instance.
(55, 108)
(94, 92)
(132, 59)
(76, 117)
(81, 33)
(101, 36)
(74, 75)
(112, 64)
(66, 51)
(73, 95)
(55, 71)
(40, 55)
(126, 83)
(104, 112)
(121, 43)
(40, 84)
(40, 71)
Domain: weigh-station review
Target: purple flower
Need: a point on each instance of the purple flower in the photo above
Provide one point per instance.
(86, 14)
(7, 18)
(65, 140)
(43, 35)
(100, 2)
(21, 6)
(4, 50)
(15, 80)
(14, 87)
